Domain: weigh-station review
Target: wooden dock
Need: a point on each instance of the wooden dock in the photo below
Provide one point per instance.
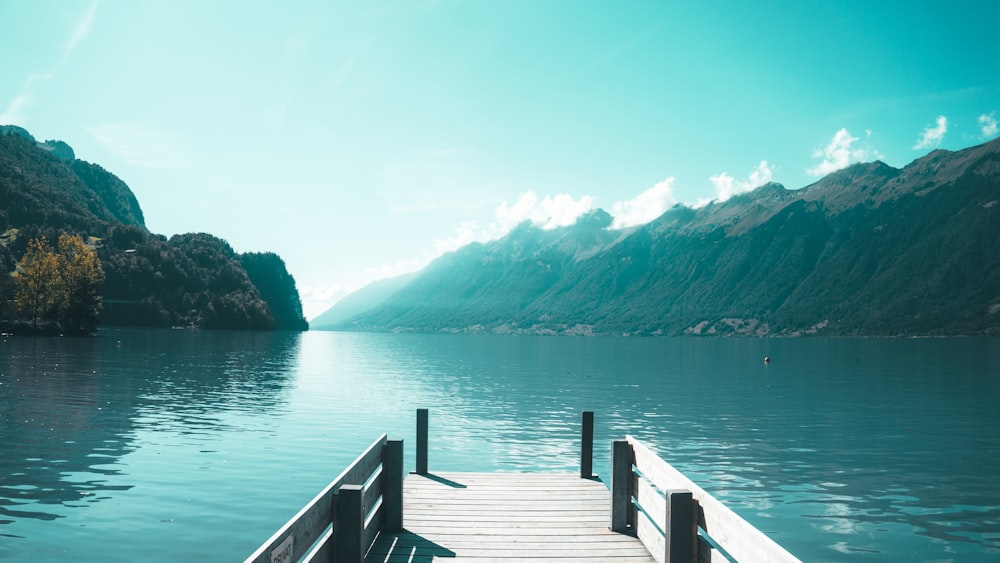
(652, 512)
(503, 517)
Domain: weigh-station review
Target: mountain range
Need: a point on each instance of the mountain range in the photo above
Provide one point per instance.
(869, 250)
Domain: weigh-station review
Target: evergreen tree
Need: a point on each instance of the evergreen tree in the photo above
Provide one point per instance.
(82, 278)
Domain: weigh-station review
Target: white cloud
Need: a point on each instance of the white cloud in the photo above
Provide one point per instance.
(82, 28)
(932, 135)
(16, 108)
(467, 232)
(15, 114)
(726, 186)
(549, 213)
(761, 175)
(988, 125)
(645, 207)
(841, 153)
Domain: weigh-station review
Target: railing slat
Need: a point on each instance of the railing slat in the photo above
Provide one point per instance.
(373, 491)
(708, 554)
(305, 528)
(312, 520)
(651, 537)
(373, 526)
(737, 536)
(652, 502)
(324, 551)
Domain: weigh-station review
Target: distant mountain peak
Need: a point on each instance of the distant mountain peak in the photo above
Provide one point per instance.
(595, 218)
(58, 149)
(852, 186)
(771, 187)
(769, 191)
(864, 171)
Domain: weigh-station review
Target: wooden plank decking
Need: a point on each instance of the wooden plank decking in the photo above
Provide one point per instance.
(503, 517)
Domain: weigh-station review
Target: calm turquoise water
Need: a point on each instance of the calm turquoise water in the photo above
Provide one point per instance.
(187, 445)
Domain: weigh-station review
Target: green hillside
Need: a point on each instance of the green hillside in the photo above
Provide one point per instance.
(190, 280)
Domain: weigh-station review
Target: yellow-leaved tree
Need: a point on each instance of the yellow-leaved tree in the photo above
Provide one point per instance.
(37, 278)
(62, 286)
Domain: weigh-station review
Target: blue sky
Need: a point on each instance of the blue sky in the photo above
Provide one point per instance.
(361, 139)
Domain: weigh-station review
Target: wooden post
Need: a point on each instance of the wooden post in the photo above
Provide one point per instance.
(349, 525)
(681, 528)
(422, 441)
(587, 446)
(392, 486)
(621, 479)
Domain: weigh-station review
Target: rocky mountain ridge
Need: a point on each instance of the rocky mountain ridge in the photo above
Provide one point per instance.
(869, 250)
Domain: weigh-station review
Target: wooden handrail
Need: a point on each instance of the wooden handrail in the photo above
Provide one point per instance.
(675, 519)
(654, 501)
(341, 522)
(586, 444)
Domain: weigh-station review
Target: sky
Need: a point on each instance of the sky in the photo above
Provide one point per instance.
(360, 140)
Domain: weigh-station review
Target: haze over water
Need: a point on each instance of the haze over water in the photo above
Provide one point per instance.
(166, 445)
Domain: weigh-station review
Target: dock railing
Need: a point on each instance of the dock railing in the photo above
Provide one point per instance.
(343, 520)
(673, 518)
(676, 519)
(586, 444)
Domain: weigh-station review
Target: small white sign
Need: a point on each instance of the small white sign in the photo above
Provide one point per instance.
(283, 553)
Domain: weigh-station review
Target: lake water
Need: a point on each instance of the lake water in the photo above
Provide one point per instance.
(197, 445)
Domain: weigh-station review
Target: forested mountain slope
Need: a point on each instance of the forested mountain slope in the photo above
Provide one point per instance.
(867, 250)
(191, 280)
